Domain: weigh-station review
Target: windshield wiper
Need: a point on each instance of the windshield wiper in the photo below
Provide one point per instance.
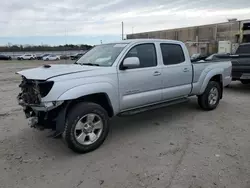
(91, 64)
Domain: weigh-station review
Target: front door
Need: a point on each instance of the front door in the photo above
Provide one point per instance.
(176, 71)
(140, 86)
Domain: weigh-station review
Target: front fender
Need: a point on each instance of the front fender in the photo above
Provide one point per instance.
(209, 75)
(93, 88)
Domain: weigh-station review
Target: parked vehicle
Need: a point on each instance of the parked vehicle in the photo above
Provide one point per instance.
(113, 79)
(5, 57)
(214, 56)
(197, 57)
(76, 56)
(240, 63)
(64, 57)
(51, 57)
(26, 57)
(40, 57)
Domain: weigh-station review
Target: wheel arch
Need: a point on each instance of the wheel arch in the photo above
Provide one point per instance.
(214, 75)
(99, 98)
(104, 91)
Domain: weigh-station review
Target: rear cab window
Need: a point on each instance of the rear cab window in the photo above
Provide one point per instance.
(172, 54)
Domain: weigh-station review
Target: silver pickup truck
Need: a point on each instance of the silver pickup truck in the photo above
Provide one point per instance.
(77, 100)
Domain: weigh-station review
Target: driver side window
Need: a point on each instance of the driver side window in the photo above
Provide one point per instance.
(146, 54)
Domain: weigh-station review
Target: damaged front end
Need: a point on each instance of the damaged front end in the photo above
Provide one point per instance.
(42, 115)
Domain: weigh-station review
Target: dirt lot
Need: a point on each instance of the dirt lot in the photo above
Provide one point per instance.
(174, 147)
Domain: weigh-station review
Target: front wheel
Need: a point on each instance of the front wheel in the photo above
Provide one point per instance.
(86, 128)
(210, 99)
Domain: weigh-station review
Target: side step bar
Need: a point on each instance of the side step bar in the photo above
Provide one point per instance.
(152, 107)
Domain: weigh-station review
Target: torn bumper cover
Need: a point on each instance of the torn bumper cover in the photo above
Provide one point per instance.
(42, 107)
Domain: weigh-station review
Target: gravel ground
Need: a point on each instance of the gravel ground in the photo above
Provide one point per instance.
(175, 147)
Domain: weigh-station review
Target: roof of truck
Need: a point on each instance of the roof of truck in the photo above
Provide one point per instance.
(145, 40)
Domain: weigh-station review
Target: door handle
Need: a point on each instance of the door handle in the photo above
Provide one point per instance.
(157, 73)
(185, 70)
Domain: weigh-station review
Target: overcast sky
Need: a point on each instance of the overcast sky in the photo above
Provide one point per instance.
(95, 20)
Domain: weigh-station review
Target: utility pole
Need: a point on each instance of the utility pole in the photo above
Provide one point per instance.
(122, 30)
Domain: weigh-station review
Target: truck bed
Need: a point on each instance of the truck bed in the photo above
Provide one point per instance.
(201, 70)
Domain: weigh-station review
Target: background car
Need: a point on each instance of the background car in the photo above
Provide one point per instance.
(5, 57)
(26, 57)
(40, 57)
(215, 56)
(64, 57)
(51, 58)
(76, 56)
(197, 57)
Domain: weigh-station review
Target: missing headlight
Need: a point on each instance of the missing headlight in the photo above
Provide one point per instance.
(45, 87)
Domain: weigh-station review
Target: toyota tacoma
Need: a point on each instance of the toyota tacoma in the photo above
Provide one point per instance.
(78, 100)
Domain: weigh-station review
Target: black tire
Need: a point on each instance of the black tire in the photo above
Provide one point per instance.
(245, 81)
(203, 100)
(75, 114)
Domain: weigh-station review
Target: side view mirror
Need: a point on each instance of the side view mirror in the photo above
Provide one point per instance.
(130, 63)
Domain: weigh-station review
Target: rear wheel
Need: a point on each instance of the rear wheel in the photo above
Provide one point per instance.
(210, 99)
(86, 128)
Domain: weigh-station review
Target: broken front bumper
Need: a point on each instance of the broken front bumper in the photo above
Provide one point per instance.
(41, 114)
(43, 106)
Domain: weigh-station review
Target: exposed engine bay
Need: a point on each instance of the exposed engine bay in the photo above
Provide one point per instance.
(40, 115)
(29, 92)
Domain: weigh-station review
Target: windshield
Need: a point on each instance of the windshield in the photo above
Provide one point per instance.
(243, 49)
(102, 55)
(210, 57)
(194, 56)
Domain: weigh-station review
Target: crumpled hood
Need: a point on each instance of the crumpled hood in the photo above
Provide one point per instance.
(48, 71)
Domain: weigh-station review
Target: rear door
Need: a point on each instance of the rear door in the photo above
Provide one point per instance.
(141, 86)
(176, 72)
